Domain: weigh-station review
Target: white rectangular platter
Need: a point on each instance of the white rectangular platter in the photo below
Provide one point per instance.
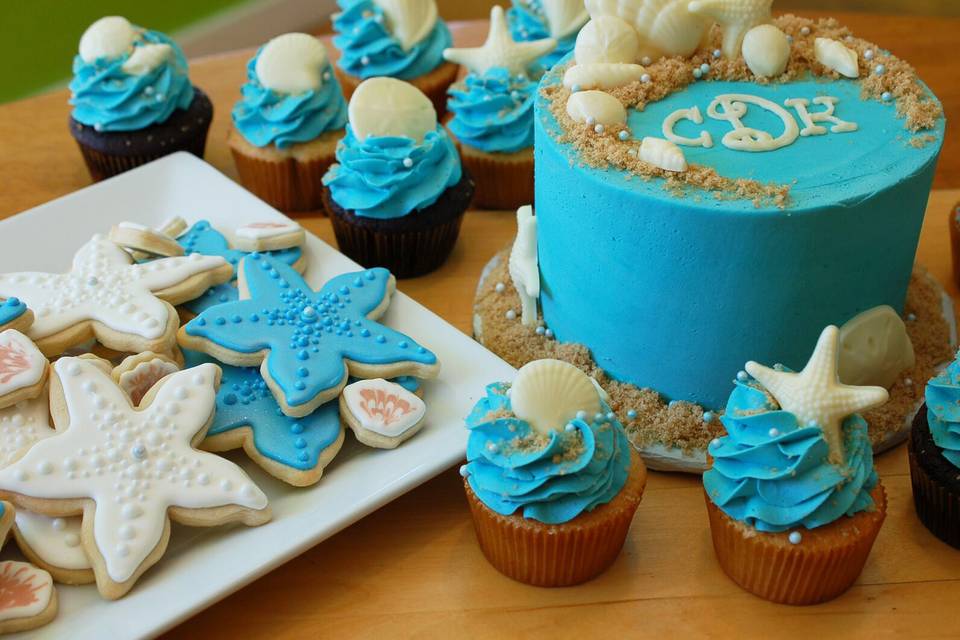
(202, 566)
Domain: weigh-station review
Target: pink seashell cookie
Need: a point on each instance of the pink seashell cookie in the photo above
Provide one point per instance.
(381, 414)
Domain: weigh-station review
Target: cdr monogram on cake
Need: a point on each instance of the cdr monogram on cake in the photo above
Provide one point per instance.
(733, 108)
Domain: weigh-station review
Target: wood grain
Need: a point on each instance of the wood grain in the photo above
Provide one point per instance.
(413, 569)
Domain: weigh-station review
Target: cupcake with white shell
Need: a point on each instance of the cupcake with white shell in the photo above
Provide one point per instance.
(560, 20)
(287, 123)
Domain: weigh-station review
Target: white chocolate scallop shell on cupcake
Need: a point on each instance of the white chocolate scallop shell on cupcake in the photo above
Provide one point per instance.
(548, 394)
(390, 107)
(292, 63)
(409, 21)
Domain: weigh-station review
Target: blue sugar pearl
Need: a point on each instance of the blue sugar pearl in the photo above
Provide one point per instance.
(886, 96)
(370, 275)
(708, 416)
(421, 350)
(381, 339)
(632, 414)
(220, 320)
(880, 69)
(299, 385)
(611, 416)
(357, 282)
(223, 298)
(13, 302)
(296, 427)
(344, 291)
(548, 333)
(623, 135)
(303, 372)
(540, 331)
(717, 53)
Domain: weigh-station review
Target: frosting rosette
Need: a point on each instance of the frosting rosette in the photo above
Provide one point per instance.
(551, 477)
(108, 98)
(943, 412)
(493, 112)
(392, 176)
(264, 116)
(527, 22)
(368, 49)
(773, 473)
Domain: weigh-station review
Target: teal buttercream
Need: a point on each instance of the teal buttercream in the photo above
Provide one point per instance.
(373, 180)
(264, 116)
(368, 50)
(773, 473)
(493, 112)
(527, 22)
(574, 470)
(943, 412)
(110, 99)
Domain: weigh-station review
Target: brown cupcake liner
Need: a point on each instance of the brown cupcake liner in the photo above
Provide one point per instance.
(826, 562)
(558, 555)
(434, 84)
(103, 165)
(290, 185)
(937, 507)
(504, 180)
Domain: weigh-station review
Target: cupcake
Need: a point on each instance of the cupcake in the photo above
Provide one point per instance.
(539, 19)
(493, 114)
(132, 100)
(551, 479)
(397, 194)
(934, 452)
(395, 40)
(288, 122)
(793, 500)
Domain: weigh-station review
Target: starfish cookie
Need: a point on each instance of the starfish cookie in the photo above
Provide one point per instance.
(126, 307)
(816, 395)
(500, 50)
(307, 343)
(735, 18)
(130, 471)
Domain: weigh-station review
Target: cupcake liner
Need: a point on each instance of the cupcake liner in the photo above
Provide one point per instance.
(289, 184)
(558, 555)
(434, 84)
(103, 165)
(504, 180)
(826, 562)
(937, 506)
(954, 224)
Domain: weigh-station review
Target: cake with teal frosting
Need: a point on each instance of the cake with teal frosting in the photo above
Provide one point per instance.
(394, 40)
(551, 478)
(934, 453)
(287, 122)
(132, 98)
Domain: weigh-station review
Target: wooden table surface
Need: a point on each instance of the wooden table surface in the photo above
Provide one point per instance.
(413, 569)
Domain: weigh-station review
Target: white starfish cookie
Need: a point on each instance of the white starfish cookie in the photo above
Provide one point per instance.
(500, 50)
(125, 306)
(128, 470)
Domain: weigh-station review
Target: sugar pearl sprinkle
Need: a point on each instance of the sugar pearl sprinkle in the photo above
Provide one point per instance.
(500, 288)
(511, 314)
(795, 537)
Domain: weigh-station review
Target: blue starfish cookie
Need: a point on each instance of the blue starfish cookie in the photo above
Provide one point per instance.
(202, 238)
(15, 315)
(307, 343)
(295, 450)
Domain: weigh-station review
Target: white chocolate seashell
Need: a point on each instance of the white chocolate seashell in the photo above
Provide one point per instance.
(548, 394)
(524, 265)
(766, 51)
(875, 348)
(389, 107)
(834, 55)
(602, 75)
(662, 154)
(596, 107)
(735, 18)
(564, 17)
(109, 37)
(665, 27)
(292, 63)
(409, 21)
(146, 58)
(607, 39)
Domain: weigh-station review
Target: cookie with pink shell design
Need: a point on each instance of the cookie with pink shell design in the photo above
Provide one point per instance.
(137, 374)
(269, 235)
(23, 368)
(381, 413)
(28, 598)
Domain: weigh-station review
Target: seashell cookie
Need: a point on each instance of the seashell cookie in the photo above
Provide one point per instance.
(30, 599)
(380, 413)
(54, 545)
(137, 374)
(23, 368)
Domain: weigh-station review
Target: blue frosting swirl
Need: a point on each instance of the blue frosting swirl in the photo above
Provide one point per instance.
(369, 50)
(527, 22)
(390, 177)
(110, 99)
(943, 411)
(493, 112)
(551, 479)
(264, 116)
(773, 473)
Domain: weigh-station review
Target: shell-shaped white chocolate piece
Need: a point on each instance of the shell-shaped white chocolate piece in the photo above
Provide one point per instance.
(875, 348)
(596, 107)
(665, 27)
(834, 55)
(409, 21)
(766, 51)
(549, 393)
(524, 265)
(607, 39)
(389, 107)
(109, 37)
(146, 58)
(602, 75)
(292, 63)
(662, 154)
(564, 17)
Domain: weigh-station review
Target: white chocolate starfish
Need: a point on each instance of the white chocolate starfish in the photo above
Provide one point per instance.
(816, 395)
(500, 50)
(735, 18)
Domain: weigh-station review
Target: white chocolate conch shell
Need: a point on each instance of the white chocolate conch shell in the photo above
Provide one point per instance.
(602, 75)
(524, 264)
(146, 58)
(662, 154)
(735, 18)
(836, 56)
(596, 107)
(607, 39)
(292, 63)
(409, 21)
(389, 107)
(564, 17)
(109, 37)
(875, 348)
(549, 393)
(665, 27)
(766, 51)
